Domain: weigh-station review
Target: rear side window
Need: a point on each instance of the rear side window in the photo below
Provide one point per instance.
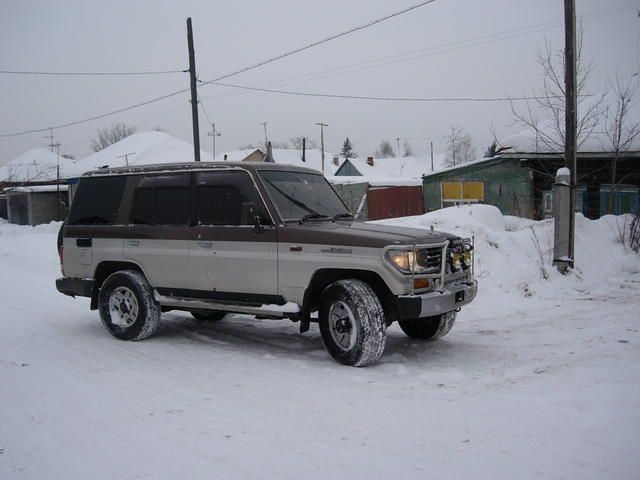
(162, 200)
(97, 201)
(227, 198)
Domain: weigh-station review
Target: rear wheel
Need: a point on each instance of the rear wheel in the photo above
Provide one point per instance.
(208, 316)
(429, 328)
(127, 308)
(352, 323)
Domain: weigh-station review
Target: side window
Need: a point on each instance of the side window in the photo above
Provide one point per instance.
(162, 200)
(97, 201)
(227, 198)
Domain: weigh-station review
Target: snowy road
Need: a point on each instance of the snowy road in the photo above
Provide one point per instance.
(546, 386)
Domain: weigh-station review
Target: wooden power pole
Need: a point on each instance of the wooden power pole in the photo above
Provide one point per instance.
(571, 116)
(322, 125)
(194, 93)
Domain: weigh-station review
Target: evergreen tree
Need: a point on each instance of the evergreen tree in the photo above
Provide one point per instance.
(347, 149)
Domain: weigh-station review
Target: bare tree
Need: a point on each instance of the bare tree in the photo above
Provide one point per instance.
(550, 101)
(620, 131)
(110, 135)
(459, 147)
(385, 150)
(296, 143)
(408, 150)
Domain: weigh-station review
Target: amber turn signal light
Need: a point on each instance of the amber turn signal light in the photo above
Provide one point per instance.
(420, 283)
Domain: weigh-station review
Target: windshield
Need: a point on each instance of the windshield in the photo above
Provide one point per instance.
(302, 196)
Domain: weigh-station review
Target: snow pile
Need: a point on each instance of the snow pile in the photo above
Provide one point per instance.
(290, 156)
(140, 149)
(514, 255)
(241, 398)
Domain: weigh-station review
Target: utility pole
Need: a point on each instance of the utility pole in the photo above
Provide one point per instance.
(570, 160)
(126, 157)
(194, 93)
(57, 145)
(214, 133)
(266, 140)
(322, 125)
(431, 156)
(50, 137)
(398, 144)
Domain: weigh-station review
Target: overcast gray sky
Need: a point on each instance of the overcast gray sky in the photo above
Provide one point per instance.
(451, 48)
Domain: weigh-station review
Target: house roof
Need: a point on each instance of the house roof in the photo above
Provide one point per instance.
(546, 140)
(396, 168)
(149, 148)
(286, 156)
(37, 165)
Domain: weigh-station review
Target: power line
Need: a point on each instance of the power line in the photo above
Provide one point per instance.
(434, 50)
(97, 117)
(320, 42)
(389, 99)
(90, 74)
(246, 69)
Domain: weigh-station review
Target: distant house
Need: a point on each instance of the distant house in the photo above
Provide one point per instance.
(401, 167)
(288, 156)
(29, 191)
(519, 181)
(29, 182)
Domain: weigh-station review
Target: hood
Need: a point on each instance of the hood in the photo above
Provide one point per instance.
(358, 234)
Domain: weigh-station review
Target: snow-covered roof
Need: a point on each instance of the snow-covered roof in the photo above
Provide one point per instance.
(37, 165)
(546, 140)
(236, 155)
(149, 148)
(286, 156)
(375, 181)
(398, 168)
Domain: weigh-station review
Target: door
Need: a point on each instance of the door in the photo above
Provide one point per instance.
(231, 257)
(158, 238)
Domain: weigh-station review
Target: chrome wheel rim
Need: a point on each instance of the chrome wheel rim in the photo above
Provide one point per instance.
(342, 326)
(123, 307)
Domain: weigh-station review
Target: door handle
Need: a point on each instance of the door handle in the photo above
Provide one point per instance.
(133, 243)
(205, 244)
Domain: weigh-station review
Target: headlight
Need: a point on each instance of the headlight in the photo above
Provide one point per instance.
(403, 260)
(420, 261)
(467, 255)
(456, 261)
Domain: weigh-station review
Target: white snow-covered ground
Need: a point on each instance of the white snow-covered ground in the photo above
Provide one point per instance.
(538, 379)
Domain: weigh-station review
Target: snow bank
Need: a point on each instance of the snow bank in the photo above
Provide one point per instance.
(514, 255)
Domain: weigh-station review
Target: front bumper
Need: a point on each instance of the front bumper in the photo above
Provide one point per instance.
(80, 287)
(454, 295)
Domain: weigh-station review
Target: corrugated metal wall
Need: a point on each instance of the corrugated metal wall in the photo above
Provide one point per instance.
(391, 202)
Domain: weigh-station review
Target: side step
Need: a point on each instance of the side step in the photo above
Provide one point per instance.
(272, 311)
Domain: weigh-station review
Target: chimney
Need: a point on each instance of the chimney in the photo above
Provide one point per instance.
(336, 161)
(370, 161)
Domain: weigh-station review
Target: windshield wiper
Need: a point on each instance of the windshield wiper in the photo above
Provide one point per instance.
(343, 215)
(312, 215)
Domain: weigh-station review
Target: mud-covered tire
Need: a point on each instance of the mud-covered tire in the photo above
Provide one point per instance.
(213, 316)
(352, 323)
(127, 308)
(429, 328)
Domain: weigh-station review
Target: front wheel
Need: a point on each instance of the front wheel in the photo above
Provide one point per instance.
(352, 323)
(429, 328)
(127, 308)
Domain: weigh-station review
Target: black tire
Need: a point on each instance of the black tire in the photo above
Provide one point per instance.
(127, 308)
(209, 316)
(429, 328)
(351, 313)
